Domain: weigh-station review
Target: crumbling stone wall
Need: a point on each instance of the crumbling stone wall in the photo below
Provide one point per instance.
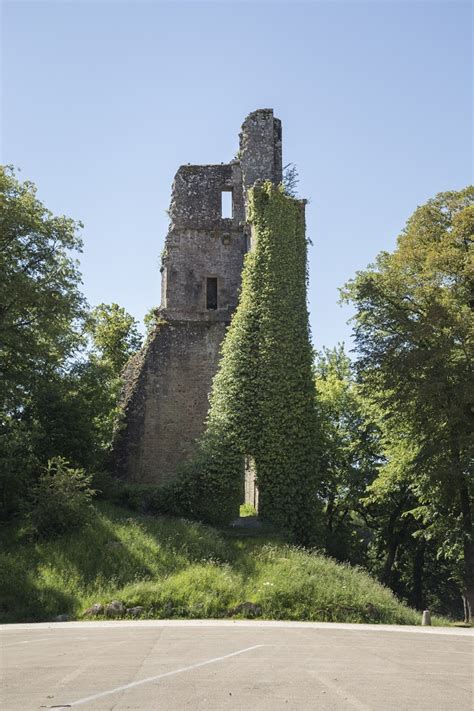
(168, 401)
(202, 244)
(166, 386)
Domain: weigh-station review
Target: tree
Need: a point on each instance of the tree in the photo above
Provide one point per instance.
(115, 335)
(413, 331)
(290, 180)
(151, 319)
(41, 314)
(350, 452)
(114, 339)
(60, 364)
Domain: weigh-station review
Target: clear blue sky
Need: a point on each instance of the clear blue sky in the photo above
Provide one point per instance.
(102, 101)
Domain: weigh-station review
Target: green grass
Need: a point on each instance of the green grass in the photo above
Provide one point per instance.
(247, 510)
(177, 568)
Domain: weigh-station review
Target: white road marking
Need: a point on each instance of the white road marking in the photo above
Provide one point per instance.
(29, 641)
(77, 672)
(345, 695)
(155, 678)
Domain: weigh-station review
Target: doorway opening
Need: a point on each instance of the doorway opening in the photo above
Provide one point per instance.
(250, 505)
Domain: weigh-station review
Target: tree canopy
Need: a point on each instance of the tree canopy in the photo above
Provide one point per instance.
(59, 362)
(413, 331)
(41, 306)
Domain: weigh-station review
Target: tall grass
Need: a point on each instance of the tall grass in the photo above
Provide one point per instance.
(178, 568)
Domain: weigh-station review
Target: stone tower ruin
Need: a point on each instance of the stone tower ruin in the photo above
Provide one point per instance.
(167, 385)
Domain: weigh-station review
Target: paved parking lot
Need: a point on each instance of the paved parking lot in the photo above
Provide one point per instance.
(225, 665)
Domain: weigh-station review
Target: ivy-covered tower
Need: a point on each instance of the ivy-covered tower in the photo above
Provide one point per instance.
(166, 386)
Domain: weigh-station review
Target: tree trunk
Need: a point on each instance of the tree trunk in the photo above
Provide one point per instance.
(468, 542)
(394, 538)
(418, 570)
(330, 513)
(392, 545)
(467, 609)
(468, 550)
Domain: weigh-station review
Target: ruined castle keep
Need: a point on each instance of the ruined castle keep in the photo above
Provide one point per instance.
(167, 385)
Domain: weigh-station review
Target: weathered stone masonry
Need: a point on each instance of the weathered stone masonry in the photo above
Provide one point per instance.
(166, 386)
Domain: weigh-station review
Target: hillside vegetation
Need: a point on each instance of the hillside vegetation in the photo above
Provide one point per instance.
(180, 569)
(367, 458)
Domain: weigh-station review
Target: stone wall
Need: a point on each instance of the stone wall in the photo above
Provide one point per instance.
(202, 244)
(167, 399)
(261, 148)
(166, 386)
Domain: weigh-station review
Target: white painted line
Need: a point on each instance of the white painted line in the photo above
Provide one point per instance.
(155, 678)
(348, 698)
(75, 673)
(29, 641)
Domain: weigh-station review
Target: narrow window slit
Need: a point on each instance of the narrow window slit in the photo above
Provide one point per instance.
(226, 204)
(211, 293)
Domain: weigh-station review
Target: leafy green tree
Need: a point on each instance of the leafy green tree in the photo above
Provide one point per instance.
(115, 335)
(413, 330)
(40, 301)
(151, 319)
(349, 453)
(41, 314)
(57, 399)
(114, 339)
(403, 553)
(388, 501)
(77, 410)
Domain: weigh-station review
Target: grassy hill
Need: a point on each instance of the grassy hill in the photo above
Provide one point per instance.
(176, 568)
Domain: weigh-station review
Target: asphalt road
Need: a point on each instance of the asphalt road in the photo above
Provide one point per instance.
(229, 666)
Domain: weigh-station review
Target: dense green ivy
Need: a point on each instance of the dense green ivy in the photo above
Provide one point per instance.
(262, 400)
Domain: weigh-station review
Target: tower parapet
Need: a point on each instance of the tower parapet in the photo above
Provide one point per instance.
(261, 148)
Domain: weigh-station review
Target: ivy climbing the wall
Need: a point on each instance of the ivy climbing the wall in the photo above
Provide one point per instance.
(262, 399)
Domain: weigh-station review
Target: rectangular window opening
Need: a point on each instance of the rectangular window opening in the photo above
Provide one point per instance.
(211, 293)
(226, 204)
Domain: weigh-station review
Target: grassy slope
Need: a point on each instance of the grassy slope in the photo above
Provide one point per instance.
(176, 568)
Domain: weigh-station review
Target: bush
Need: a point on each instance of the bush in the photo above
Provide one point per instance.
(149, 499)
(201, 590)
(61, 500)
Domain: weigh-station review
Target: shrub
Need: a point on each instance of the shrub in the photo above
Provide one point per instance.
(201, 590)
(61, 500)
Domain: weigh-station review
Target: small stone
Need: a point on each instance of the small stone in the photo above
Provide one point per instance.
(113, 544)
(136, 611)
(249, 609)
(62, 618)
(115, 609)
(95, 610)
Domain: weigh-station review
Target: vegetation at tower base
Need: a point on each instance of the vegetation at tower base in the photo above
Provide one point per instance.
(173, 568)
(262, 400)
(414, 327)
